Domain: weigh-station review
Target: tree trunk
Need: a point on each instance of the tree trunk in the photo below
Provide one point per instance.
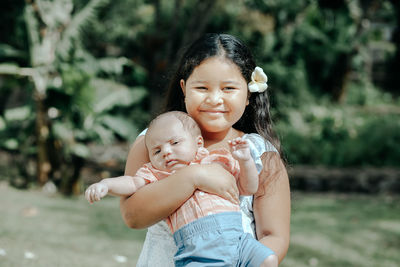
(340, 77)
(70, 181)
(42, 133)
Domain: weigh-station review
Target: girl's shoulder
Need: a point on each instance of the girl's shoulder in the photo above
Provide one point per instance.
(258, 144)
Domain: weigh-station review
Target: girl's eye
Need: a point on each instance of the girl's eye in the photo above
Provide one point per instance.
(157, 151)
(201, 88)
(175, 142)
(229, 88)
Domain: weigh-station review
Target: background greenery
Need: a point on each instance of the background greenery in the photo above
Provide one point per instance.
(79, 72)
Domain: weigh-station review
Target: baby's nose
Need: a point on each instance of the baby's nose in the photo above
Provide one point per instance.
(167, 151)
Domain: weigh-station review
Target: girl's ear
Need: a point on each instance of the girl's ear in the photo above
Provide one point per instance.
(200, 141)
(182, 83)
(248, 97)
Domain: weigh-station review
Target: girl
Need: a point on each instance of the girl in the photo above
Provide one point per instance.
(212, 85)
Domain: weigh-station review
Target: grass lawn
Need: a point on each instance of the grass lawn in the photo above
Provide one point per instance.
(344, 230)
(327, 230)
(38, 230)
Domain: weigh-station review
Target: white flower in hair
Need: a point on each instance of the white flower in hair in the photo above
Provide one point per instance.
(258, 81)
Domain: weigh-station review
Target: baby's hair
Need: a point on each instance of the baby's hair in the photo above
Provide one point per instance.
(189, 124)
(256, 117)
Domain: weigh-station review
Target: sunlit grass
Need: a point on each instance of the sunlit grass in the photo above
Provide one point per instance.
(58, 231)
(344, 230)
(327, 230)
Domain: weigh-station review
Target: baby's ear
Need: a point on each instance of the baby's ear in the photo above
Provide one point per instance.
(200, 141)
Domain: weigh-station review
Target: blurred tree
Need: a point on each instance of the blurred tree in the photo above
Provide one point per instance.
(323, 46)
(314, 52)
(64, 76)
(151, 33)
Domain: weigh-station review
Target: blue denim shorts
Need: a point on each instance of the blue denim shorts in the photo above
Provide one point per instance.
(218, 240)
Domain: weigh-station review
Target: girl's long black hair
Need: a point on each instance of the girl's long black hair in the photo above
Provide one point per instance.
(256, 117)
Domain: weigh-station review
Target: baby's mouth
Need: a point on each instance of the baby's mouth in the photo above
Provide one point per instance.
(170, 163)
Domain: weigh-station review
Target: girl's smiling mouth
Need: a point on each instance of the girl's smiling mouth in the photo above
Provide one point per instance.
(213, 111)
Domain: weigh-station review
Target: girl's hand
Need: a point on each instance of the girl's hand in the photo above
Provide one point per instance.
(214, 179)
(95, 192)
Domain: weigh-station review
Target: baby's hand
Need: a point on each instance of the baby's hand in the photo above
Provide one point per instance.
(240, 149)
(95, 192)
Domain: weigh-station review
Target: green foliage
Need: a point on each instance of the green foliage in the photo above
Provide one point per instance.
(341, 136)
(315, 47)
(15, 129)
(76, 97)
(94, 71)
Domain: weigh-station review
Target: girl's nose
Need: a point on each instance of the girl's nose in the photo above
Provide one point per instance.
(214, 97)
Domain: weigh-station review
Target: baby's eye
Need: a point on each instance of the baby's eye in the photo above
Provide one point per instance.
(229, 88)
(157, 151)
(175, 142)
(201, 88)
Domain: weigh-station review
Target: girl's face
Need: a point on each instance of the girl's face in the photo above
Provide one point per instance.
(215, 94)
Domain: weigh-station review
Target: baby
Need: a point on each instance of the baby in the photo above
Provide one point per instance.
(206, 228)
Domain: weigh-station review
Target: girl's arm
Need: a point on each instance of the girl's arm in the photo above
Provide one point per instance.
(157, 201)
(272, 205)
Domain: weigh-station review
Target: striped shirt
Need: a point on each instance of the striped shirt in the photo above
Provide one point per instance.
(201, 203)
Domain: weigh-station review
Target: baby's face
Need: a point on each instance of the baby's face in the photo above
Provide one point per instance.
(170, 146)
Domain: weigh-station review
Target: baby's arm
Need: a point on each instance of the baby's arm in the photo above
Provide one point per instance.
(118, 186)
(248, 177)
